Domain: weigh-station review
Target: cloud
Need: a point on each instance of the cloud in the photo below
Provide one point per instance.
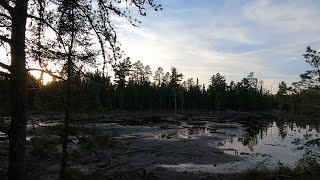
(283, 16)
(266, 37)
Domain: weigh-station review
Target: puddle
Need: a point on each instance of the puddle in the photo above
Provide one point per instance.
(275, 144)
(184, 133)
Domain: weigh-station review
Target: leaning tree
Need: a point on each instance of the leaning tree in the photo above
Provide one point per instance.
(34, 30)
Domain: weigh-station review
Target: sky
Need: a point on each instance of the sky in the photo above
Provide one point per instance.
(230, 37)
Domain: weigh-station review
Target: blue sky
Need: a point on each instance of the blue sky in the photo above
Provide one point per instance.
(234, 38)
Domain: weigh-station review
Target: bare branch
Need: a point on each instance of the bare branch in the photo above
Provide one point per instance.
(5, 66)
(6, 6)
(5, 39)
(4, 74)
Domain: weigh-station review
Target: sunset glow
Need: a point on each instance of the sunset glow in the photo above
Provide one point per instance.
(45, 79)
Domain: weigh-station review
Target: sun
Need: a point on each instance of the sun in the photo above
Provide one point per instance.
(46, 77)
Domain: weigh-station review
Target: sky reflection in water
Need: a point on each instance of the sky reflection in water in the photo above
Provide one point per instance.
(274, 142)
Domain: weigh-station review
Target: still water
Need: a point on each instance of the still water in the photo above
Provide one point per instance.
(269, 146)
(278, 144)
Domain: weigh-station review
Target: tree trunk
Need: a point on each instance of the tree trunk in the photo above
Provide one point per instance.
(65, 134)
(175, 104)
(17, 134)
(182, 105)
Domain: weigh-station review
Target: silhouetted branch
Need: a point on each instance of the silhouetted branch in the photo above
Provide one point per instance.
(98, 36)
(4, 74)
(51, 27)
(6, 6)
(5, 66)
(5, 39)
(46, 71)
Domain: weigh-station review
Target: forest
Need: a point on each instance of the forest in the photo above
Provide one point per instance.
(139, 90)
(134, 122)
(136, 88)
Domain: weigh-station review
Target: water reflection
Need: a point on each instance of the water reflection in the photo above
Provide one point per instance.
(275, 140)
(282, 128)
(183, 133)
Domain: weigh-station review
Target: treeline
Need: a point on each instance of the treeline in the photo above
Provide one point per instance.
(303, 97)
(135, 87)
(302, 102)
